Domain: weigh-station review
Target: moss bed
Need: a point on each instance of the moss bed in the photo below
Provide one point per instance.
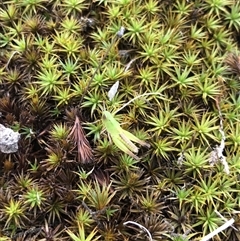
(178, 66)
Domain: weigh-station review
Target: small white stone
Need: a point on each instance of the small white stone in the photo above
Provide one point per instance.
(121, 32)
(8, 140)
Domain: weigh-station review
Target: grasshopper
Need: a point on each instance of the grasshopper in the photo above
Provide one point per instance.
(120, 137)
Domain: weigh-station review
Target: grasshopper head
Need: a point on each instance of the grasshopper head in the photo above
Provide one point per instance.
(106, 115)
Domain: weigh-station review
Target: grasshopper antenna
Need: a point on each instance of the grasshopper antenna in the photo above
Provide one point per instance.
(117, 37)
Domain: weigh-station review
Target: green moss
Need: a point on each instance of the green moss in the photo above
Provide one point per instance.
(60, 58)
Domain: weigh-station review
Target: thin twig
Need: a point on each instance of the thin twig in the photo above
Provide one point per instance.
(141, 227)
(136, 97)
(221, 216)
(218, 230)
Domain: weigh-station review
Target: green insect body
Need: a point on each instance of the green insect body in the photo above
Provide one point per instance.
(122, 138)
